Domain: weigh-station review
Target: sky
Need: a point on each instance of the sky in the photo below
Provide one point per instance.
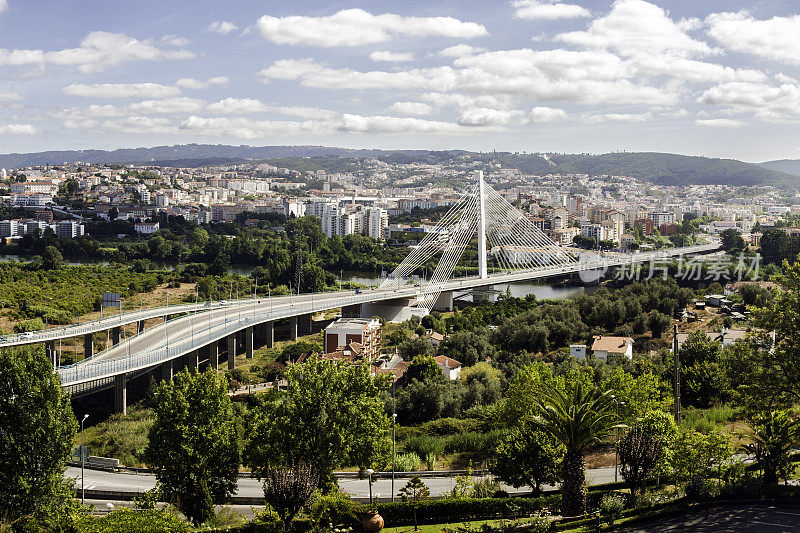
(715, 78)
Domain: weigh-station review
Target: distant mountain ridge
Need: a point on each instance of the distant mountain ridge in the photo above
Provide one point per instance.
(660, 168)
(788, 166)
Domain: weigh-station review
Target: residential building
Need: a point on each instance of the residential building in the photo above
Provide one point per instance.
(604, 347)
(68, 229)
(377, 220)
(449, 367)
(365, 331)
(146, 228)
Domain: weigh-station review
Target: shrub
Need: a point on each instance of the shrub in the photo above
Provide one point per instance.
(485, 487)
(334, 509)
(474, 446)
(611, 507)
(407, 462)
(134, 521)
(463, 509)
(423, 445)
(449, 426)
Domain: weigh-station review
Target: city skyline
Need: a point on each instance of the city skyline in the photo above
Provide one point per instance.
(533, 75)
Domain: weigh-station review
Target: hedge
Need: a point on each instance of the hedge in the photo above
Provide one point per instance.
(463, 509)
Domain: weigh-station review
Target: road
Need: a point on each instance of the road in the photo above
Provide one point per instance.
(248, 487)
(756, 518)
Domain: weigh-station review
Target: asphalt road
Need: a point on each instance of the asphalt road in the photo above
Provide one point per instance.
(757, 518)
(357, 488)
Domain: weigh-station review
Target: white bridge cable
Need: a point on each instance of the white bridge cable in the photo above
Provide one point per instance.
(465, 230)
(431, 244)
(508, 240)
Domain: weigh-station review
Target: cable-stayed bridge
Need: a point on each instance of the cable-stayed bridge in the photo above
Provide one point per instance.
(505, 244)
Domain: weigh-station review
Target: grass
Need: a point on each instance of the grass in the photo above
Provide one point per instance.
(120, 437)
(474, 525)
(704, 420)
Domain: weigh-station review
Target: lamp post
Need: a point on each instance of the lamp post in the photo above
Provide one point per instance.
(394, 419)
(369, 474)
(83, 455)
(616, 440)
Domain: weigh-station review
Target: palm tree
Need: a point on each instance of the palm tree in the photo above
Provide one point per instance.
(579, 418)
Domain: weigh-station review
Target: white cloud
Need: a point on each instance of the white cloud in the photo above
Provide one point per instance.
(356, 27)
(486, 116)
(192, 83)
(243, 128)
(77, 114)
(380, 124)
(10, 97)
(758, 97)
(222, 27)
(97, 52)
(392, 57)
(548, 10)
(719, 122)
(636, 27)
(141, 125)
(121, 90)
(460, 50)
(18, 129)
(539, 115)
(775, 38)
(616, 117)
(175, 40)
(411, 108)
(177, 105)
(244, 106)
(3, 5)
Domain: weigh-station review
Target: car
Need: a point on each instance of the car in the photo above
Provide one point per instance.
(27, 335)
(3, 338)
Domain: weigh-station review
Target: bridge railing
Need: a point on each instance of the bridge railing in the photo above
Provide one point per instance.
(189, 341)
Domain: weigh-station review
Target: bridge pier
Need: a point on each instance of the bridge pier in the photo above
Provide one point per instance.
(231, 351)
(50, 350)
(480, 294)
(213, 355)
(305, 323)
(444, 302)
(88, 345)
(121, 394)
(116, 333)
(248, 342)
(396, 310)
(193, 360)
(293, 328)
(166, 371)
(269, 334)
(140, 326)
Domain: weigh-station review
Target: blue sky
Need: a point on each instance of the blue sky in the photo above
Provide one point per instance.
(715, 78)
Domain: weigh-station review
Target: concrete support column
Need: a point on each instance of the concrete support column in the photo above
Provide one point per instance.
(193, 360)
(140, 326)
(88, 345)
(269, 334)
(50, 349)
(351, 311)
(213, 355)
(444, 302)
(121, 394)
(166, 371)
(116, 334)
(293, 328)
(305, 324)
(231, 351)
(248, 342)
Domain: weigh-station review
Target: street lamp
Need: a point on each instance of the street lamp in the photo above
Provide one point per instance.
(394, 419)
(369, 473)
(83, 455)
(616, 439)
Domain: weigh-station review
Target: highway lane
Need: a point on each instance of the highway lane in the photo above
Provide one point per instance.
(249, 487)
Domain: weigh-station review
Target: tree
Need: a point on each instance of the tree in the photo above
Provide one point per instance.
(639, 451)
(416, 347)
(331, 415)
(52, 258)
(423, 368)
(292, 352)
(414, 491)
(578, 417)
(658, 323)
(37, 429)
(287, 489)
(774, 434)
(697, 456)
(529, 457)
(731, 240)
(193, 445)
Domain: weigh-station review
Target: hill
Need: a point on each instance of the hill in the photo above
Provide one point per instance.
(788, 166)
(659, 168)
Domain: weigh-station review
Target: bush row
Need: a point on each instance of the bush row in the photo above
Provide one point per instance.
(463, 509)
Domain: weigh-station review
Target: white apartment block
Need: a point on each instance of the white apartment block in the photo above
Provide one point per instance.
(377, 220)
(68, 229)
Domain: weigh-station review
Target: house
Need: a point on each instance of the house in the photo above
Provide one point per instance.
(146, 228)
(717, 300)
(603, 347)
(435, 337)
(578, 351)
(450, 367)
(726, 337)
